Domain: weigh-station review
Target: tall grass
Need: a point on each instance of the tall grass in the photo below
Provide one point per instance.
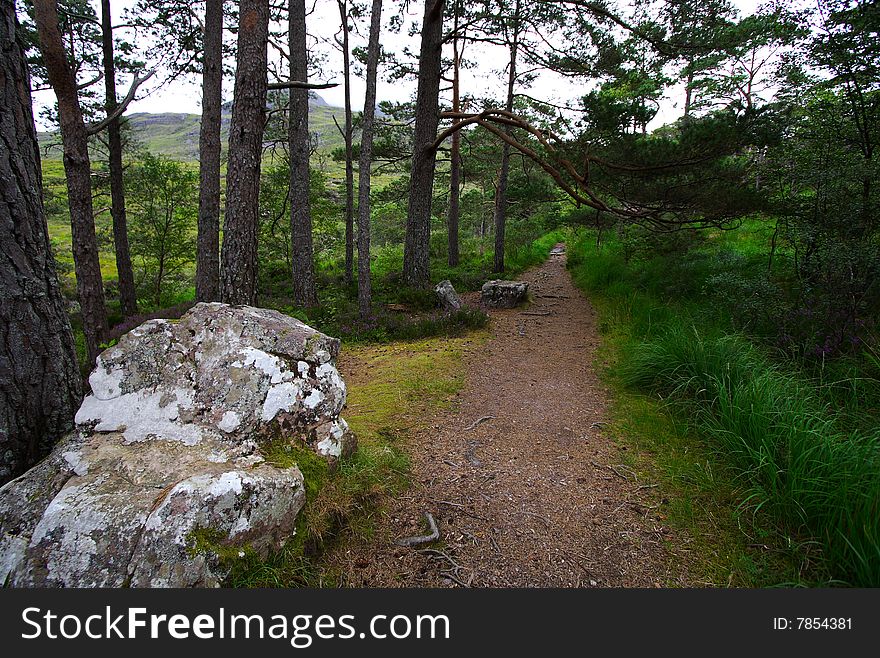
(817, 479)
(791, 439)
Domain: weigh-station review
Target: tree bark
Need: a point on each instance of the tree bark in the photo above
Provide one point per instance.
(349, 164)
(302, 257)
(77, 168)
(366, 157)
(688, 90)
(452, 255)
(501, 193)
(39, 377)
(238, 277)
(416, 252)
(208, 244)
(127, 295)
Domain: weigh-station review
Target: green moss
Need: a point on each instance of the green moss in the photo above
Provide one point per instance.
(315, 469)
(212, 542)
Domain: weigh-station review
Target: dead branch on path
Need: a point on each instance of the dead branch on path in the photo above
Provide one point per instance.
(478, 421)
(422, 539)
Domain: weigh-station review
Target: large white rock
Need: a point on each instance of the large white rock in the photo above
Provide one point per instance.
(168, 450)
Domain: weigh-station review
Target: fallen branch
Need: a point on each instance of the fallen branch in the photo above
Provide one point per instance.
(536, 313)
(478, 421)
(423, 539)
(435, 554)
(451, 576)
(612, 469)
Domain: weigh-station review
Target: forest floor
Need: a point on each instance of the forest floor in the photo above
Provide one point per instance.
(521, 474)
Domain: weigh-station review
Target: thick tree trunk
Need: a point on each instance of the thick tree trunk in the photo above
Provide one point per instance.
(349, 164)
(302, 257)
(501, 193)
(238, 277)
(364, 276)
(452, 255)
(208, 247)
(416, 253)
(77, 168)
(39, 377)
(127, 295)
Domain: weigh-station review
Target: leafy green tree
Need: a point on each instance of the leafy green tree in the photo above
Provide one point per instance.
(163, 208)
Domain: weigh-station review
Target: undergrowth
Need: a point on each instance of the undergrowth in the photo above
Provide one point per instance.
(796, 449)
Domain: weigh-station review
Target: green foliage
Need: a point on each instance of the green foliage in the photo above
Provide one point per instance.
(162, 204)
(808, 465)
(818, 479)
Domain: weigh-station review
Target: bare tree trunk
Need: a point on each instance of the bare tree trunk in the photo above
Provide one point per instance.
(90, 286)
(349, 164)
(208, 247)
(302, 257)
(501, 193)
(452, 255)
(416, 252)
(364, 276)
(238, 277)
(688, 91)
(127, 295)
(39, 378)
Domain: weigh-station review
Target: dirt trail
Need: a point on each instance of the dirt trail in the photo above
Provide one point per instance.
(526, 486)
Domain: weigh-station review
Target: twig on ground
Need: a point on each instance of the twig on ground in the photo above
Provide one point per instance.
(536, 313)
(478, 421)
(537, 516)
(450, 576)
(422, 539)
(612, 469)
(435, 554)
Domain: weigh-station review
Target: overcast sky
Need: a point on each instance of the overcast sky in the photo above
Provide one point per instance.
(487, 78)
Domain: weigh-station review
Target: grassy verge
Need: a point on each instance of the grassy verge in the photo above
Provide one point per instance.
(391, 390)
(771, 483)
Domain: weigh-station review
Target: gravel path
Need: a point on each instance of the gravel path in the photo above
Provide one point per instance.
(525, 485)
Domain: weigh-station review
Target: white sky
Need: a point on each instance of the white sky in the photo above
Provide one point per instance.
(487, 78)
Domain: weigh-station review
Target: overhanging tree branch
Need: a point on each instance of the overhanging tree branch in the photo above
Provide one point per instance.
(95, 128)
(293, 84)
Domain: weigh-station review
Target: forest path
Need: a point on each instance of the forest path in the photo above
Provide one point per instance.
(525, 484)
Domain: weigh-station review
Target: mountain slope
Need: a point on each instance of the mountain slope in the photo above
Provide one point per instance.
(176, 135)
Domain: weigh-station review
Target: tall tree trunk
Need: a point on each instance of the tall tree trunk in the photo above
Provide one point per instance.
(501, 193)
(238, 277)
(364, 276)
(39, 378)
(349, 164)
(452, 255)
(208, 247)
(77, 168)
(688, 90)
(416, 252)
(304, 290)
(127, 295)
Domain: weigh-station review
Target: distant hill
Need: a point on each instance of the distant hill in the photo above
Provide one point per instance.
(176, 135)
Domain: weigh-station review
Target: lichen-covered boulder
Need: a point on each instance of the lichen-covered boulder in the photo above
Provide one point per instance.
(449, 299)
(504, 294)
(170, 450)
